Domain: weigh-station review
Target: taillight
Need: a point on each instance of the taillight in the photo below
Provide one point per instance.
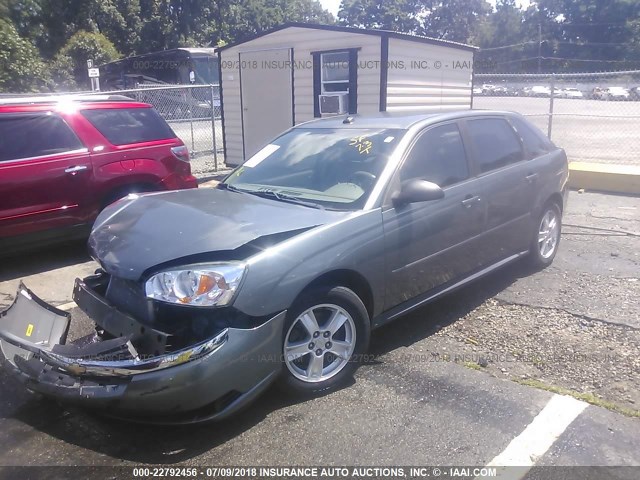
(181, 153)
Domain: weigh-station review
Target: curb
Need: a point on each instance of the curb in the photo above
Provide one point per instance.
(605, 177)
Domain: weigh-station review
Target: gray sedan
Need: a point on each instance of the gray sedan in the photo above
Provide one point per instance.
(206, 297)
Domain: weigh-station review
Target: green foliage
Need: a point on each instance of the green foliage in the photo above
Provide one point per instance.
(21, 69)
(69, 67)
(454, 20)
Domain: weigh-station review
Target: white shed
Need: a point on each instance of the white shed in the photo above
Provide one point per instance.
(298, 72)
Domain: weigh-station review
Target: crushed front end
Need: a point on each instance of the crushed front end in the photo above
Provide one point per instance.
(146, 360)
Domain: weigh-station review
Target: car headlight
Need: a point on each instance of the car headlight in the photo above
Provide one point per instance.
(197, 285)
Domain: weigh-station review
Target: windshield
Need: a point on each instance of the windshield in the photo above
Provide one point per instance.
(332, 168)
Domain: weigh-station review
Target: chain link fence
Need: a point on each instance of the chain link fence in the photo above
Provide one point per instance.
(194, 113)
(593, 116)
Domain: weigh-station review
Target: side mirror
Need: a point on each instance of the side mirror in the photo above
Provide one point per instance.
(415, 191)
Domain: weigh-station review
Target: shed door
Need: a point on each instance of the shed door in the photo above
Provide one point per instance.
(267, 96)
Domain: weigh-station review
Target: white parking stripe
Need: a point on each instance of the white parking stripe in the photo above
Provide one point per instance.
(66, 306)
(538, 437)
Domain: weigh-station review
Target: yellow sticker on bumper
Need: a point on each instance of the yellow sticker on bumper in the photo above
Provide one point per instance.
(29, 330)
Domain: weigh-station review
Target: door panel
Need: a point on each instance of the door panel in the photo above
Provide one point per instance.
(267, 103)
(508, 184)
(431, 243)
(42, 193)
(44, 174)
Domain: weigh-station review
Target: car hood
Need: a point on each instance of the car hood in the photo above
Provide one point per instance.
(140, 232)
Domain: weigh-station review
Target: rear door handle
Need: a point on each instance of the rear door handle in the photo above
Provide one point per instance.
(75, 169)
(469, 200)
(532, 177)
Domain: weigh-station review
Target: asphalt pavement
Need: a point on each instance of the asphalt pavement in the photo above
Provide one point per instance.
(414, 403)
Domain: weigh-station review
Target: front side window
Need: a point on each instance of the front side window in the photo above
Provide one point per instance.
(437, 156)
(35, 135)
(329, 167)
(495, 143)
(122, 126)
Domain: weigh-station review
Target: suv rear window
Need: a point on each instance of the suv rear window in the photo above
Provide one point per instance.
(129, 125)
(35, 135)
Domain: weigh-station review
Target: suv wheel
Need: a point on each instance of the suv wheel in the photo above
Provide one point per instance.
(326, 332)
(546, 239)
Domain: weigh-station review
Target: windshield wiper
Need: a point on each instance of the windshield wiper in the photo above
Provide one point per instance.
(283, 197)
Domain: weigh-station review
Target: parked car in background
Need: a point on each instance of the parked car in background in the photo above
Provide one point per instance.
(338, 226)
(568, 93)
(539, 91)
(62, 160)
(597, 93)
(634, 93)
(487, 89)
(615, 93)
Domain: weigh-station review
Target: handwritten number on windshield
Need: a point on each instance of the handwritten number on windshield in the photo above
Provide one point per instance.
(362, 144)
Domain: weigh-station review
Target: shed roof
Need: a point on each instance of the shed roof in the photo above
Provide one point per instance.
(361, 31)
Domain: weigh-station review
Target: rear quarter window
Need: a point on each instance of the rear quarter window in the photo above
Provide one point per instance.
(123, 126)
(35, 135)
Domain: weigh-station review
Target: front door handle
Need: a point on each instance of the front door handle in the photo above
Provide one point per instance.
(75, 169)
(470, 200)
(532, 177)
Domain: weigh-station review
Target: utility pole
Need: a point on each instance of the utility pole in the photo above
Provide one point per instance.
(539, 48)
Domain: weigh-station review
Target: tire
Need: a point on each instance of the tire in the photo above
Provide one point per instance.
(544, 247)
(311, 367)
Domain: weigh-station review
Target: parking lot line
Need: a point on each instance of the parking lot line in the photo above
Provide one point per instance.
(66, 306)
(539, 436)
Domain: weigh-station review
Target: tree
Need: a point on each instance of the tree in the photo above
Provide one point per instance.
(398, 15)
(454, 20)
(69, 67)
(21, 68)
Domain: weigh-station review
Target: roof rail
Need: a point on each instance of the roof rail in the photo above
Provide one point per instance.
(63, 98)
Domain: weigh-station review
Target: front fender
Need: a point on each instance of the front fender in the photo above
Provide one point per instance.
(277, 275)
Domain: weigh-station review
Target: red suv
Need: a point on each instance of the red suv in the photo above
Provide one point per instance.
(64, 160)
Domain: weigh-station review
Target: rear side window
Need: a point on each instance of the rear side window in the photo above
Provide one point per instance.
(35, 135)
(437, 156)
(495, 143)
(534, 140)
(129, 125)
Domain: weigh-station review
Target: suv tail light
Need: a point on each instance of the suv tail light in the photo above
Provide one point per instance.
(181, 153)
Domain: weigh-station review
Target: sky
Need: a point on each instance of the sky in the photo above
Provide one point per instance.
(334, 5)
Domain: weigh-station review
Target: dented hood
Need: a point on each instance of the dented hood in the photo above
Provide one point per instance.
(135, 234)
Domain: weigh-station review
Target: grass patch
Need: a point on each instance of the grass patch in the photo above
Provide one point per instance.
(585, 397)
(472, 365)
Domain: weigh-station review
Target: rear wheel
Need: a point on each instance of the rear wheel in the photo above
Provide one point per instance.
(546, 238)
(325, 335)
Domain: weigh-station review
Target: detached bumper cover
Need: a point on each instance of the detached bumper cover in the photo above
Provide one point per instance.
(177, 387)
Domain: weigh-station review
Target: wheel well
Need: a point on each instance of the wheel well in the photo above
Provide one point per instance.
(122, 190)
(349, 279)
(557, 199)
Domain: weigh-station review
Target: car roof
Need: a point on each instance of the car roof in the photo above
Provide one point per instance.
(398, 120)
(86, 102)
(80, 101)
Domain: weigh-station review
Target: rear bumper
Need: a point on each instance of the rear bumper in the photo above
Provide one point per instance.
(206, 381)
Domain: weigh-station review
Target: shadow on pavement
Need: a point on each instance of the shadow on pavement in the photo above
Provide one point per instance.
(43, 260)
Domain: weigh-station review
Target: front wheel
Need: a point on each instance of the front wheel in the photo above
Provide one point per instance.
(546, 239)
(326, 333)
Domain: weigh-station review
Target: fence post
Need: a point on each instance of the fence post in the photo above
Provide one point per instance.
(213, 129)
(550, 123)
(189, 102)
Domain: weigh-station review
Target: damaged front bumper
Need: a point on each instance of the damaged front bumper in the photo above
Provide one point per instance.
(205, 381)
